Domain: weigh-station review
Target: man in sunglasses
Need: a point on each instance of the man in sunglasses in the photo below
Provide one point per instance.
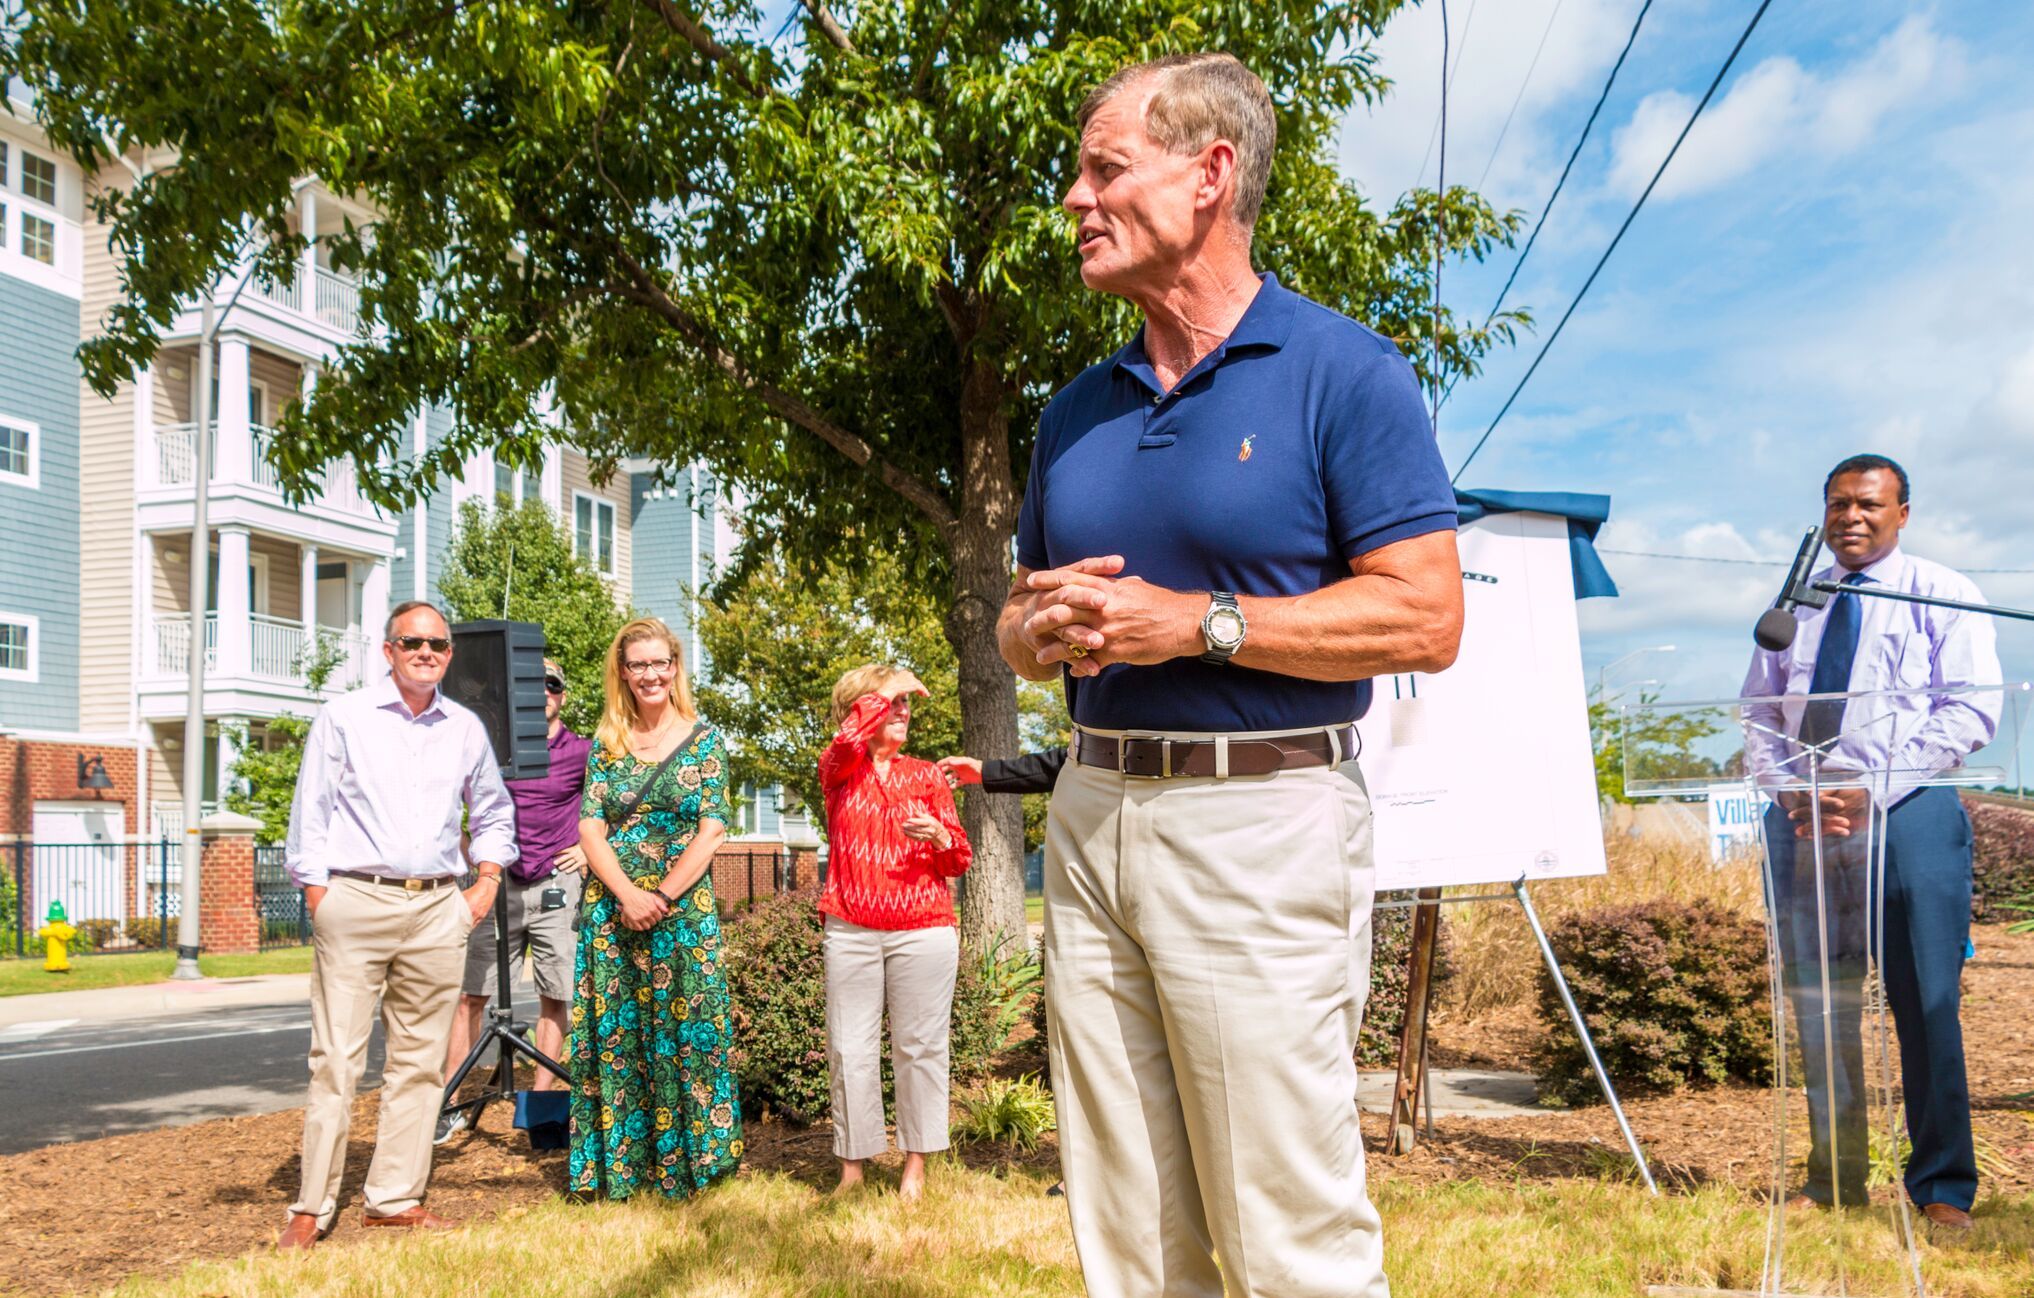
(389, 772)
(543, 897)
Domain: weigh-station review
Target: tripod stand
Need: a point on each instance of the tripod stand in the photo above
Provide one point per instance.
(502, 1032)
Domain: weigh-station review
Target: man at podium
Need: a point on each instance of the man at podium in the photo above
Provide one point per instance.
(1857, 645)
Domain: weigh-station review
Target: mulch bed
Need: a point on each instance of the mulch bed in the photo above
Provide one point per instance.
(219, 1189)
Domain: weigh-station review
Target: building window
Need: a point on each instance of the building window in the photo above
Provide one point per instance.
(533, 485)
(504, 484)
(38, 178)
(593, 531)
(17, 647)
(17, 452)
(38, 239)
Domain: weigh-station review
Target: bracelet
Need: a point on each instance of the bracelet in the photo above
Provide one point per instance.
(669, 900)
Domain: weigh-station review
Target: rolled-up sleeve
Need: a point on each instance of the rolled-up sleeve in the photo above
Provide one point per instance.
(490, 815)
(318, 774)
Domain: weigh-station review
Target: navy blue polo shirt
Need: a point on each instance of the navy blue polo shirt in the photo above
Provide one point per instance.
(1299, 443)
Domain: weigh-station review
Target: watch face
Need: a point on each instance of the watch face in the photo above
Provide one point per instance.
(1225, 628)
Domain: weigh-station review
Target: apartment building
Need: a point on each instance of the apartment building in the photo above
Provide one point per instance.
(98, 497)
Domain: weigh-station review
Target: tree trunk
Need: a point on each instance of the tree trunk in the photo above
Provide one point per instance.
(994, 901)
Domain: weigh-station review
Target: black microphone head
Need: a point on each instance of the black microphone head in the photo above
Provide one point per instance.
(1775, 630)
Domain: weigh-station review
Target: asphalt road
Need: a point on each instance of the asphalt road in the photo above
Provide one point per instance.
(80, 1081)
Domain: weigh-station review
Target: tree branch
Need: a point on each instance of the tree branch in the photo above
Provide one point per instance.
(702, 40)
(828, 27)
(647, 292)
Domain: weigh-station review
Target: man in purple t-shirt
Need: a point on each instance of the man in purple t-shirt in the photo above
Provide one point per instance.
(550, 868)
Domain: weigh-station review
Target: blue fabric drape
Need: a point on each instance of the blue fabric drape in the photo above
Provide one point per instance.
(1585, 514)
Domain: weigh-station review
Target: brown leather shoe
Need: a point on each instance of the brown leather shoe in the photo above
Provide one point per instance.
(417, 1218)
(1944, 1217)
(301, 1233)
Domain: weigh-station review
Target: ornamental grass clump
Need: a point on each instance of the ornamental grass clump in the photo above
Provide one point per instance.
(1014, 1112)
(1675, 995)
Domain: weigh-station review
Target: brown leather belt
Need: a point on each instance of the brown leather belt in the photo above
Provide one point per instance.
(1157, 759)
(407, 885)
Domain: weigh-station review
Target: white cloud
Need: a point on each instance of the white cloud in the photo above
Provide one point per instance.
(1776, 110)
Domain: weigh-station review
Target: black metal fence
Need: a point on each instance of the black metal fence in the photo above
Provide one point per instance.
(119, 896)
(285, 919)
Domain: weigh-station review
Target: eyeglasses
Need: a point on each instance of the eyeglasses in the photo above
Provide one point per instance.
(648, 667)
(410, 644)
(552, 685)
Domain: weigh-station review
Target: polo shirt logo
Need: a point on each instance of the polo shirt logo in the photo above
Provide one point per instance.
(1244, 454)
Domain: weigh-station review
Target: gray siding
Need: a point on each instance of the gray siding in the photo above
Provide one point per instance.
(661, 576)
(437, 510)
(39, 575)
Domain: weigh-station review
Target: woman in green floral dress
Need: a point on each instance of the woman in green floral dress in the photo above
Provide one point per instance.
(653, 1089)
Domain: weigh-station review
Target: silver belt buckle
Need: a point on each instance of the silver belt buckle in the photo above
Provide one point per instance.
(1164, 757)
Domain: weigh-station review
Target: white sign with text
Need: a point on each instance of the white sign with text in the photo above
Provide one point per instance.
(1483, 773)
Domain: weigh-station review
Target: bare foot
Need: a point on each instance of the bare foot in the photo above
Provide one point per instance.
(850, 1178)
(912, 1184)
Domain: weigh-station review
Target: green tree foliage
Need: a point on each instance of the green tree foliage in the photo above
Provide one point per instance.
(516, 562)
(832, 265)
(263, 781)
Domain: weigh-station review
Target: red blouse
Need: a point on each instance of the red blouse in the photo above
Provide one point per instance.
(875, 876)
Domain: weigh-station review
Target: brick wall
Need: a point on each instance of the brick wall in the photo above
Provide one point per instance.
(228, 921)
(35, 770)
(745, 870)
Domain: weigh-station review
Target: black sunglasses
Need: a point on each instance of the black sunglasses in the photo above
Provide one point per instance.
(553, 685)
(409, 644)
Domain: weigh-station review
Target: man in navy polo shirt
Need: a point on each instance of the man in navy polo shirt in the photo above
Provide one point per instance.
(1230, 526)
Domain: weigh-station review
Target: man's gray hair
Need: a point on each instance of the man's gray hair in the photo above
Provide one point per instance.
(1200, 98)
(411, 606)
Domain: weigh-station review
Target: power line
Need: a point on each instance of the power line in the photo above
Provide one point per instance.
(1519, 98)
(1776, 563)
(1447, 79)
(1440, 208)
(1618, 238)
(1569, 166)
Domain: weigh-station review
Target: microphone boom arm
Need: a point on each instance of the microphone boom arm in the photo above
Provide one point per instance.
(1996, 610)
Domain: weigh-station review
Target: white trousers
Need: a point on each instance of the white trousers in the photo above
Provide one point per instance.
(1207, 958)
(912, 972)
(405, 949)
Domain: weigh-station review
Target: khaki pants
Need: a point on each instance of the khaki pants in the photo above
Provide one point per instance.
(1207, 957)
(912, 971)
(405, 948)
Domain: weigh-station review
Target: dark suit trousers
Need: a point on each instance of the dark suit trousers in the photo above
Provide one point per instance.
(1927, 924)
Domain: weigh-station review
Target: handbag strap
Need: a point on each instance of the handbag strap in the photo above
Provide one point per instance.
(642, 793)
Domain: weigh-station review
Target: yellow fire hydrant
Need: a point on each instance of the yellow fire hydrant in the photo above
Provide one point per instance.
(56, 934)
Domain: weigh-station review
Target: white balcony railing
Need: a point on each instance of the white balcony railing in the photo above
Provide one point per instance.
(176, 465)
(281, 648)
(284, 294)
(336, 300)
(170, 640)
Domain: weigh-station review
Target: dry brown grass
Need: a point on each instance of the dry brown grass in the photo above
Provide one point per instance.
(1494, 964)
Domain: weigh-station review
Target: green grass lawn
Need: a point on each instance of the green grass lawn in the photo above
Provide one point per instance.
(22, 977)
(1034, 908)
(993, 1234)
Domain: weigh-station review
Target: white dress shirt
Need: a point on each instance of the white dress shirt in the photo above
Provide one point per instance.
(381, 791)
(1900, 647)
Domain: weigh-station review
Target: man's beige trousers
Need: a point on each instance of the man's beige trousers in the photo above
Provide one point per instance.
(1207, 956)
(406, 949)
(911, 971)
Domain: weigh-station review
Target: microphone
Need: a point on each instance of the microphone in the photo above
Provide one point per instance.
(1775, 629)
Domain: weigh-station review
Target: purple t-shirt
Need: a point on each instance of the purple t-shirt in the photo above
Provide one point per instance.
(547, 808)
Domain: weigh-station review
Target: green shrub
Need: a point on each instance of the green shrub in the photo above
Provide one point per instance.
(1013, 1112)
(146, 932)
(2002, 860)
(93, 934)
(1675, 995)
(776, 971)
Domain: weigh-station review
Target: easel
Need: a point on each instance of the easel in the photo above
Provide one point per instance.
(1413, 1081)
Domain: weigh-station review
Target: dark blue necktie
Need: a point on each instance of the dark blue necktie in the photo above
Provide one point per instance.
(1822, 720)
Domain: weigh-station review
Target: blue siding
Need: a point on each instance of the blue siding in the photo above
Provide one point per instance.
(660, 529)
(437, 508)
(39, 527)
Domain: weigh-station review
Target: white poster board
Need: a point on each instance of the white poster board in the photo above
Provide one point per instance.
(1483, 773)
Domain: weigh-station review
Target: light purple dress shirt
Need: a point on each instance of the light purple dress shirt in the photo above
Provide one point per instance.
(1900, 647)
(381, 791)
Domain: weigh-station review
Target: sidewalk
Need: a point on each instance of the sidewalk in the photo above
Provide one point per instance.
(154, 1000)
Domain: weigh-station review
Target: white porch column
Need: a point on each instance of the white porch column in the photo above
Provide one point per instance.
(235, 459)
(236, 604)
(374, 608)
(307, 274)
(307, 592)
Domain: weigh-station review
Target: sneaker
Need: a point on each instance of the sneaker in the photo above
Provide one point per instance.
(1057, 1190)
(450, 1123)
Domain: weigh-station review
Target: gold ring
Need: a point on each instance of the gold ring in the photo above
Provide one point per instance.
(1076, 651)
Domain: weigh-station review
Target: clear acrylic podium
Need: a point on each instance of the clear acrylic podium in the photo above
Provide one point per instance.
(1821, 773)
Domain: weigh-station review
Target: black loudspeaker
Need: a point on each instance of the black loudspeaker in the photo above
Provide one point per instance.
(497, 670)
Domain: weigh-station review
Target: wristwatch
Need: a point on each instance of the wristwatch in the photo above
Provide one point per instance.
(1222, 627)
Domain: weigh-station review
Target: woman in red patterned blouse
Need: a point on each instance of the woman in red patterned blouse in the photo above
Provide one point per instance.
(893, 841)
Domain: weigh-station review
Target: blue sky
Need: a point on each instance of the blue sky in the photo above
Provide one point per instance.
(1837, 261)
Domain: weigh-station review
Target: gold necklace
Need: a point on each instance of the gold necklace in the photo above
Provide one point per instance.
(670, 720)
